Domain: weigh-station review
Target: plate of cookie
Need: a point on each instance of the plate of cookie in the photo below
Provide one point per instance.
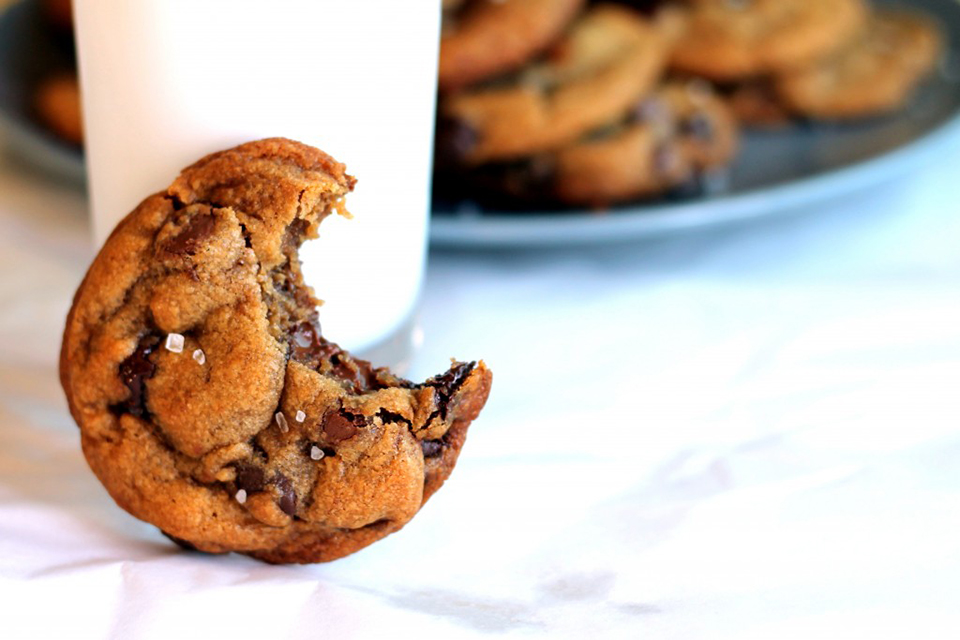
(39, 92)
(621, 121)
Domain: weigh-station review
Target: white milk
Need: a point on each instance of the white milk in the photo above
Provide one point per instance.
(167, 81)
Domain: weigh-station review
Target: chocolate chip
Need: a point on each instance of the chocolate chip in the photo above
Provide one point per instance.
(294, 235)
(700, 126)
(532, 177)
(431, 448)
(341, 425)
(249, 478)
(390, 416)
(447, 384)
(189, 241)
(456, 140)
(650, 109)
(305, 342)
(666, 159)
(133, 372)
(288, 497)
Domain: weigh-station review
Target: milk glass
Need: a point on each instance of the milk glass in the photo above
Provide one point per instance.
(166, 82)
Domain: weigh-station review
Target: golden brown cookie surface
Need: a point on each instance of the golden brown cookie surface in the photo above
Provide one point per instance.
(609, 59)
(728, 40)
(667, 141)
(677, 133)
(875, 73)
(208, 401)
(485, 38)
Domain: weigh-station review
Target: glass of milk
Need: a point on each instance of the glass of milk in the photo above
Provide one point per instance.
(166, 82)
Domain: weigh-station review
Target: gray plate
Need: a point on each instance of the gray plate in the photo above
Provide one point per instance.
(776, 172)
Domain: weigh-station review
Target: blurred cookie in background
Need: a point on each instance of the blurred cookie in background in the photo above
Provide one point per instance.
(57, 106)
(609, 59)
(669, 140)
(875, 73)
(486, 38)
(727, 40)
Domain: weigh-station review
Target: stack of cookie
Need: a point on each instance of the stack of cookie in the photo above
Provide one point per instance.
(554, 100)
(819, 59)
(590, 104)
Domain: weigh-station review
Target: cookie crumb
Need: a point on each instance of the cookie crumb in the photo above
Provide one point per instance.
(241, 496)
(281, 422)
(316, 453)
(174, 343)
(301, 416)
(199, 356)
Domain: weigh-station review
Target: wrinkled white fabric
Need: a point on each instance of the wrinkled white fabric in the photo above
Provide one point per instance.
(747, 432)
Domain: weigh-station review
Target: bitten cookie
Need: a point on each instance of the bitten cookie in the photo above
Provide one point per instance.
(875, 73)
(610, 58)
(667, 140)
(728, 40)
(485, 38)
(209, 403)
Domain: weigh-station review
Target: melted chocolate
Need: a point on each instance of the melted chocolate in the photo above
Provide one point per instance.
(341, 426)
(449, 383)
(456, 139)
(193, 236)
(431, 448)
(133, 372)
(288, 497)
(700, 126)
(250, 478)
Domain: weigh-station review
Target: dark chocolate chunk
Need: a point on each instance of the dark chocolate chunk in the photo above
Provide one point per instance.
(288, 497)
(341, 425)
(431, 448)
(666, 159)
(456, 139)
(249, 478)
(189, 241)
(294, 235)
(650, 110)
(390, 416)
(447, 384)
(133, 372)
(700, 126)
(305, 342)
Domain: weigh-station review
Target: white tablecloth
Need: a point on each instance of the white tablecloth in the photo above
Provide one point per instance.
(750, 432)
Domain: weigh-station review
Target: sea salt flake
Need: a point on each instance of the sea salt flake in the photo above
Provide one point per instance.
(199, 356)
(241, 496)
(301, 416)
(316, 453)
(174, 342)
(282, 422)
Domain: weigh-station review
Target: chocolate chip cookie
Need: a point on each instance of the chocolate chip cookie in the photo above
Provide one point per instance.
(668, 140)
(728, 40)
(875, 73)
(486, 38)
(57, 105)
(610, 58)
(208, 400)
